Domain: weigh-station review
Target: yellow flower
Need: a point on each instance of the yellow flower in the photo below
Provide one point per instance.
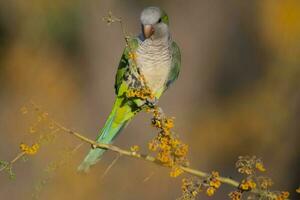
(132, 56)
(252, 184)
(194, 193)
(174, 142)
(265, 183)
(215, 174)
(245, 170)
(236, 195)
(23, 146)
(214, 181)
(164, 140)
(182, 150)
(260, 167)
(247, 185)
(29, 150)
(156, 123)
(210, 191)
(244, 187)
(156, 112)
(165, 146)
(176, 171)
(166, 131)
(169, 123)
(298, 190)
(283, 196)
(185, 184)
(152, 146)
(163, 157)
(134, 148)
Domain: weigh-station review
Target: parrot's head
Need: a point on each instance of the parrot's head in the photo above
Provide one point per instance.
(155, 23)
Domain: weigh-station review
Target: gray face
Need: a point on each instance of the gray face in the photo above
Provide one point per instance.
(152, 26)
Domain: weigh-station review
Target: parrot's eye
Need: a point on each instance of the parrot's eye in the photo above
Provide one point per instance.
(159, 20)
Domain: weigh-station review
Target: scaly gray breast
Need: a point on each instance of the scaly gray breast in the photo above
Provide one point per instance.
(154, 61)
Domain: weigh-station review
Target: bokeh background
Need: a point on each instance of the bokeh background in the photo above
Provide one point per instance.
(238, 92)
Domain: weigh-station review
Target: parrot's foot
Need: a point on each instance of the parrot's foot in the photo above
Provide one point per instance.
(151, 102)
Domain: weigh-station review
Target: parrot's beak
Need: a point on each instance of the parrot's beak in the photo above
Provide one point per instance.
(148, 31)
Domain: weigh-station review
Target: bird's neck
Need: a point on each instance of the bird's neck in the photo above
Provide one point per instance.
(165, 40)
(156, 44)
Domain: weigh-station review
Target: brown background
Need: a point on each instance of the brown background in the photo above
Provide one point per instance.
(238, 91)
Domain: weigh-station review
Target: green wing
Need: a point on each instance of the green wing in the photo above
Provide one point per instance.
(124, 63)
(175, 65)
(123, 111)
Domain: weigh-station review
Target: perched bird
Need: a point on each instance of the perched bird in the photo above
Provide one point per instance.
(158, 59)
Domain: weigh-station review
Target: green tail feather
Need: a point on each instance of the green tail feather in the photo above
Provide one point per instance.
(118, 119)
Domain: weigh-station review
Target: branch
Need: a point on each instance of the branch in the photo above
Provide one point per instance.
(151, 159)
(134, 154)
(140, 156)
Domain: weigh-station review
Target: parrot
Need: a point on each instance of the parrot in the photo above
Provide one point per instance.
(157, 58)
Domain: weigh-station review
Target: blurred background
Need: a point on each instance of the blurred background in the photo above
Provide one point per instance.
(238, 92)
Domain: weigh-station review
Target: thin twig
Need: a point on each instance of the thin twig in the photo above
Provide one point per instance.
(148, 177)
(19, 156)
(111, 165)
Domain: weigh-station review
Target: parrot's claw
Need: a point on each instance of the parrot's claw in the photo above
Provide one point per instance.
(151, 102)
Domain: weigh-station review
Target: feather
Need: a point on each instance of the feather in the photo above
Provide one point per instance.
(116, 121)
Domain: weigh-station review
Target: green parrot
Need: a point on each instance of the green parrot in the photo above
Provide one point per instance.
(157, 58)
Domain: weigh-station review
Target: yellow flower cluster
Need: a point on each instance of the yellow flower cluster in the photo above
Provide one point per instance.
(248, 165)
(193, 186)
(144, 93)
(214, 180)
(170, 150)
(247, 185)
(264, 182)
(235, 195)
(30, 150)
(185, 184)
(282, 196)
(213, 183)
(190, 188)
